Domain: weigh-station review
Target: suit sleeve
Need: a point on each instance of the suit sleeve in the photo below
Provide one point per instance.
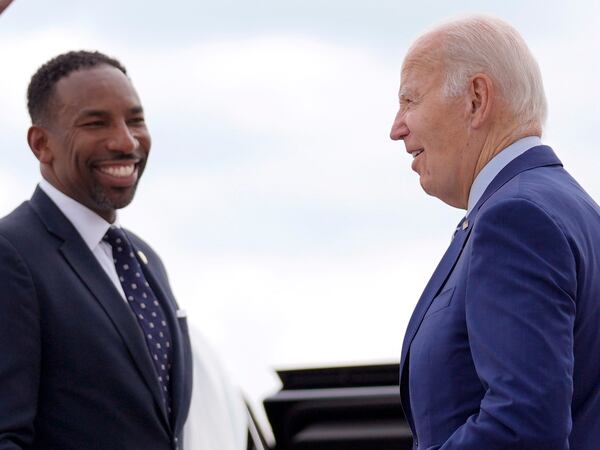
(19, 350)
(520, 313)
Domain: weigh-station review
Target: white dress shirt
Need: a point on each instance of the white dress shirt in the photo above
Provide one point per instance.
(90, 226)
(217, 418)
(496, 164)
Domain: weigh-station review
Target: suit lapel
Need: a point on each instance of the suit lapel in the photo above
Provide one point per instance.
(85, 265)
(539, 156)
(180, 367)
(436, 281)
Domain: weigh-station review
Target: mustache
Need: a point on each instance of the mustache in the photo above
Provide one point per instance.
(120, 156)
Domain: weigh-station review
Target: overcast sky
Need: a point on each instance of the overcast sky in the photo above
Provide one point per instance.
(294, 232)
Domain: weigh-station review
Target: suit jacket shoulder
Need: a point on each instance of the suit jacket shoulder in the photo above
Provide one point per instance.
(68, 338)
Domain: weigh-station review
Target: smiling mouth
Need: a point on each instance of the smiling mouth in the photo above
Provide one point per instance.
(416, 153)
(120, 171)
(118, 174)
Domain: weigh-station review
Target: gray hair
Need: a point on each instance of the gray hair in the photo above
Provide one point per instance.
(483, 44)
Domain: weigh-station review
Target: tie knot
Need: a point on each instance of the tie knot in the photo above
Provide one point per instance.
(116, 237)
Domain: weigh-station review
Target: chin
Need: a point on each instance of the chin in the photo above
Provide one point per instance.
(426, 187)
(119, 202)
(114, 198)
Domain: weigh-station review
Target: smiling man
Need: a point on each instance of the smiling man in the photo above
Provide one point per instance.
(501, 350)
(95, 353)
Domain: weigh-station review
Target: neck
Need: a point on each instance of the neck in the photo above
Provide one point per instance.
(483, 146)
(498, 139)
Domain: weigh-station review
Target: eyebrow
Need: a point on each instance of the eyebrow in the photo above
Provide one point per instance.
(136, 110)
(404, 93)
(86, 113)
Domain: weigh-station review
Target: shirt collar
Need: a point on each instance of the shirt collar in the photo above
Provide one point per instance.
(88, 224)
(496, 164)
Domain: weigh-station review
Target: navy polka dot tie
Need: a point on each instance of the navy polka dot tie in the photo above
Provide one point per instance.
(144, 305)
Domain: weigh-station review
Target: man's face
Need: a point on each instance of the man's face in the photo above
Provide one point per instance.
(434, 129)
(97, 139)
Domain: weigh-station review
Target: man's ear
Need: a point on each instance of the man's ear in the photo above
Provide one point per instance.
(37, 137)
(481, 95)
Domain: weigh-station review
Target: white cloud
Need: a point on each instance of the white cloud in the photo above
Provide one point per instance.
(13, 190)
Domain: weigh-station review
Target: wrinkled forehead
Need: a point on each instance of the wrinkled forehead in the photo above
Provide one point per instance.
(425, 54)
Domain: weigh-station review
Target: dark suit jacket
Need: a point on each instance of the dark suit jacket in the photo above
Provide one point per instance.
(503, 349)
(75, 372)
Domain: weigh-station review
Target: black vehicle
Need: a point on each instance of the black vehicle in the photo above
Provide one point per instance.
(337, 408)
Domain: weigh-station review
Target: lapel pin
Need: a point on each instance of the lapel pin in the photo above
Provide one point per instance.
(465, 225)
(142, 256)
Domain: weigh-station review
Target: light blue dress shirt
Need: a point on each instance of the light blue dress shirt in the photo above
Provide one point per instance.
(496, 164)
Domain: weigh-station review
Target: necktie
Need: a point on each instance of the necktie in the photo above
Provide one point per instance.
(145, 306)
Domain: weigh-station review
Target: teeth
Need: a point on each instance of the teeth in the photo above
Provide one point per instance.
(417, 153)
(118, 171)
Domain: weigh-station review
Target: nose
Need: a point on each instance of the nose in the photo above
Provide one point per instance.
(122, 139)
(399, 129)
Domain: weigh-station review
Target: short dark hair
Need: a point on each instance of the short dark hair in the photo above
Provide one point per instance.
(41, 86)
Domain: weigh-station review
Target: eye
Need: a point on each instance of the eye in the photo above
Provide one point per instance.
(137, 121)
(405, 101)
(93, 124)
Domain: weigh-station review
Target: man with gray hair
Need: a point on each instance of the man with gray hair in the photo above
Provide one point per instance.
(503, 348)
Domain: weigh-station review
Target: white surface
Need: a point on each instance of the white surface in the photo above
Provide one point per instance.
(217, 418)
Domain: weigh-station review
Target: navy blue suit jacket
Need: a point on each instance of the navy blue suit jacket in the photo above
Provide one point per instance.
(503, 349)
(75, 371)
